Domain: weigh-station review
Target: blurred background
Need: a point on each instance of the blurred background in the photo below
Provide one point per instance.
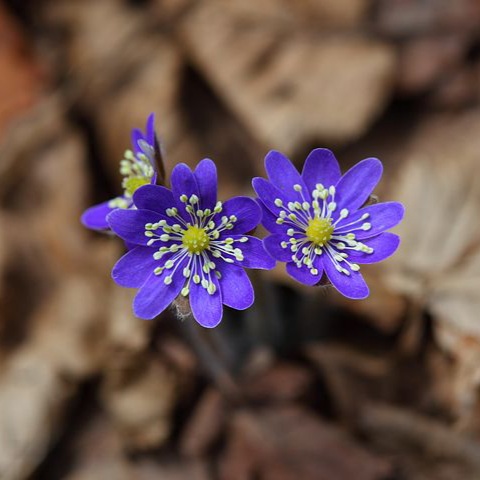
(305, 384)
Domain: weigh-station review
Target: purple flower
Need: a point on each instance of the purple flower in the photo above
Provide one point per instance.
(188, 243)
(317, 223)
(138, 168)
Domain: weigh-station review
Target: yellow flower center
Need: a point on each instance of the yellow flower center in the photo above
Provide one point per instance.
(131, 184)
(319, 230)
(195, 239)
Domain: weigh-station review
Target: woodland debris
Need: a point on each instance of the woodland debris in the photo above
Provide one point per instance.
(277, 81)
(431, 442)
(427, 60)
(401, 18)
(205, 425)
(283, 382)
(140, 399)
(290, 443)
(438, 268)
(23, 77)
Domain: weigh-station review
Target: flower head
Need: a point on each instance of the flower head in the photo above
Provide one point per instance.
(317, 221)
(188, 243)
(138, 168)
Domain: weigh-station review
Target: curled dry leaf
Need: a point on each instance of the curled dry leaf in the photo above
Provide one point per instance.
(438, 264)
(277, 79)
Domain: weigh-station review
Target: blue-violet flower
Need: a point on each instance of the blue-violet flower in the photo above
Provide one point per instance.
(188, 243)
(317, 221)
(138, 168)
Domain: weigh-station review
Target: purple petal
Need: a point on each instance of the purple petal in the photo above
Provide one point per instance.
(354, 188)
(273, 247)
(130, 246)
(237, 290)
(246, 210)
(148, 136)
(283, 174)
(268, 193)
(134, 268)
(303, 274)
(351, 286)
(130, 224)
(206, 177)
(150, 129)
(154, 198)
(207, 309)
(155, 296)
(269, 220)
(183, 183)
(136, 136)
(382, 216)
(254, 254)
(96, 217)
(321, 166)
(384, 245)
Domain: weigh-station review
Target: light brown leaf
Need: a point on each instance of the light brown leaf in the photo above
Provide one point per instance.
(289, 85)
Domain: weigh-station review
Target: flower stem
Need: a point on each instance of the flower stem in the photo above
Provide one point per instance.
(212, 364)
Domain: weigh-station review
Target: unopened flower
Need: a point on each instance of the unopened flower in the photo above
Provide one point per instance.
(138, 168)
(189, 244)
(317, 221)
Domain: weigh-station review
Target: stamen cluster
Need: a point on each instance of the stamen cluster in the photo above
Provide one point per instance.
(197, 240)
(313, 232)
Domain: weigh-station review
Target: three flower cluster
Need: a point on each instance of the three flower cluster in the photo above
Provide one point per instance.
(183, 241)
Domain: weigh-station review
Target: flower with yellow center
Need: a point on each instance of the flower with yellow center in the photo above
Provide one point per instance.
(184, 242)
(319, 222)
(137, 168)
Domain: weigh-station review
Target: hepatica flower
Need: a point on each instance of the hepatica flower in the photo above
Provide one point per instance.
(317, 221)
(188, 243)
(138, 168)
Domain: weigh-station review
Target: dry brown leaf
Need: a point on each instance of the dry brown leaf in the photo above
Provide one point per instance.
(423, 448)
(438, 263)
(65, 346)
(289, 87)
(428, 59)
(140, 398)
(299, 14)
(205, 426)
(153, 88)
(408, 18)
(22, 78)
(290, 443)
(176, 469)
(283, 382)
(140, 71)
(33, 396)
